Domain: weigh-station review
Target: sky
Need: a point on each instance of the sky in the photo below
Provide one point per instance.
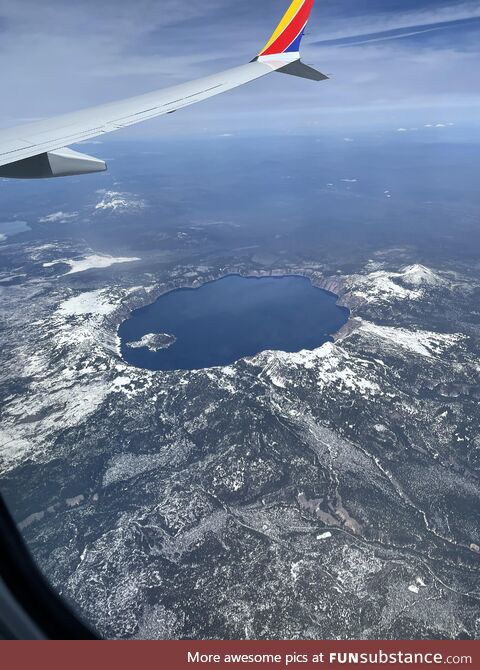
(394, 64)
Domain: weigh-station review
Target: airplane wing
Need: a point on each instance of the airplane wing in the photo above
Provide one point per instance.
(40, 149)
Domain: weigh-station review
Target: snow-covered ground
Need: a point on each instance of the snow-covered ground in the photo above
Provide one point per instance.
(422, 342)
(77, 333)
(94, 261)
(93, 302)
(330, 366)
(116, 201)
(381, 286)
(420, 275)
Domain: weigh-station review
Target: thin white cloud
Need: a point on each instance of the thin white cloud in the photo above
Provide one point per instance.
(397, 36)
(58, 217)
(380, 23)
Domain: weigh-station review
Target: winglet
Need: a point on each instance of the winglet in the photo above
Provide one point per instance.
(287, 37)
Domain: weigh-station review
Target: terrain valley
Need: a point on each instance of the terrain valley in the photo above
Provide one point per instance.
(312, 472)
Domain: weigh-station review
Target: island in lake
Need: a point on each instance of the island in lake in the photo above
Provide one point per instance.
(153, 342)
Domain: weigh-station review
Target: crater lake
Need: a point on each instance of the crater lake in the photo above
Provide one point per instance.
(228, 319)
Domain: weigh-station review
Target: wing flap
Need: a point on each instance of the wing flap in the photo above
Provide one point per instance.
(61, 163)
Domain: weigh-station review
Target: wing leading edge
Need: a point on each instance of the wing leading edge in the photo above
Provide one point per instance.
(40, 149)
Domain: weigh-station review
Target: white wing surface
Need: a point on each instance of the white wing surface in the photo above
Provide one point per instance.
(40, 149)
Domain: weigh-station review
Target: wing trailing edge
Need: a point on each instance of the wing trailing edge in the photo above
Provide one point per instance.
(59, 163)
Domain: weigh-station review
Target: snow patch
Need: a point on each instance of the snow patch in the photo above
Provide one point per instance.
(115, 201)
(50, 406)
(94, 261)
(324, 536)
(12, 447)
(422, 342)
(94, 302)
(381, 286)
(419, 275)
(329, 365)
(295, 570)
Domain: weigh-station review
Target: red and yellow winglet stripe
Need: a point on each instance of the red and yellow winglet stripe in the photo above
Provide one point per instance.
(289, 33)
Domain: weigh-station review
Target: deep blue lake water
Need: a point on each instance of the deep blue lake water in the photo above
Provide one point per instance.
(229, 319)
